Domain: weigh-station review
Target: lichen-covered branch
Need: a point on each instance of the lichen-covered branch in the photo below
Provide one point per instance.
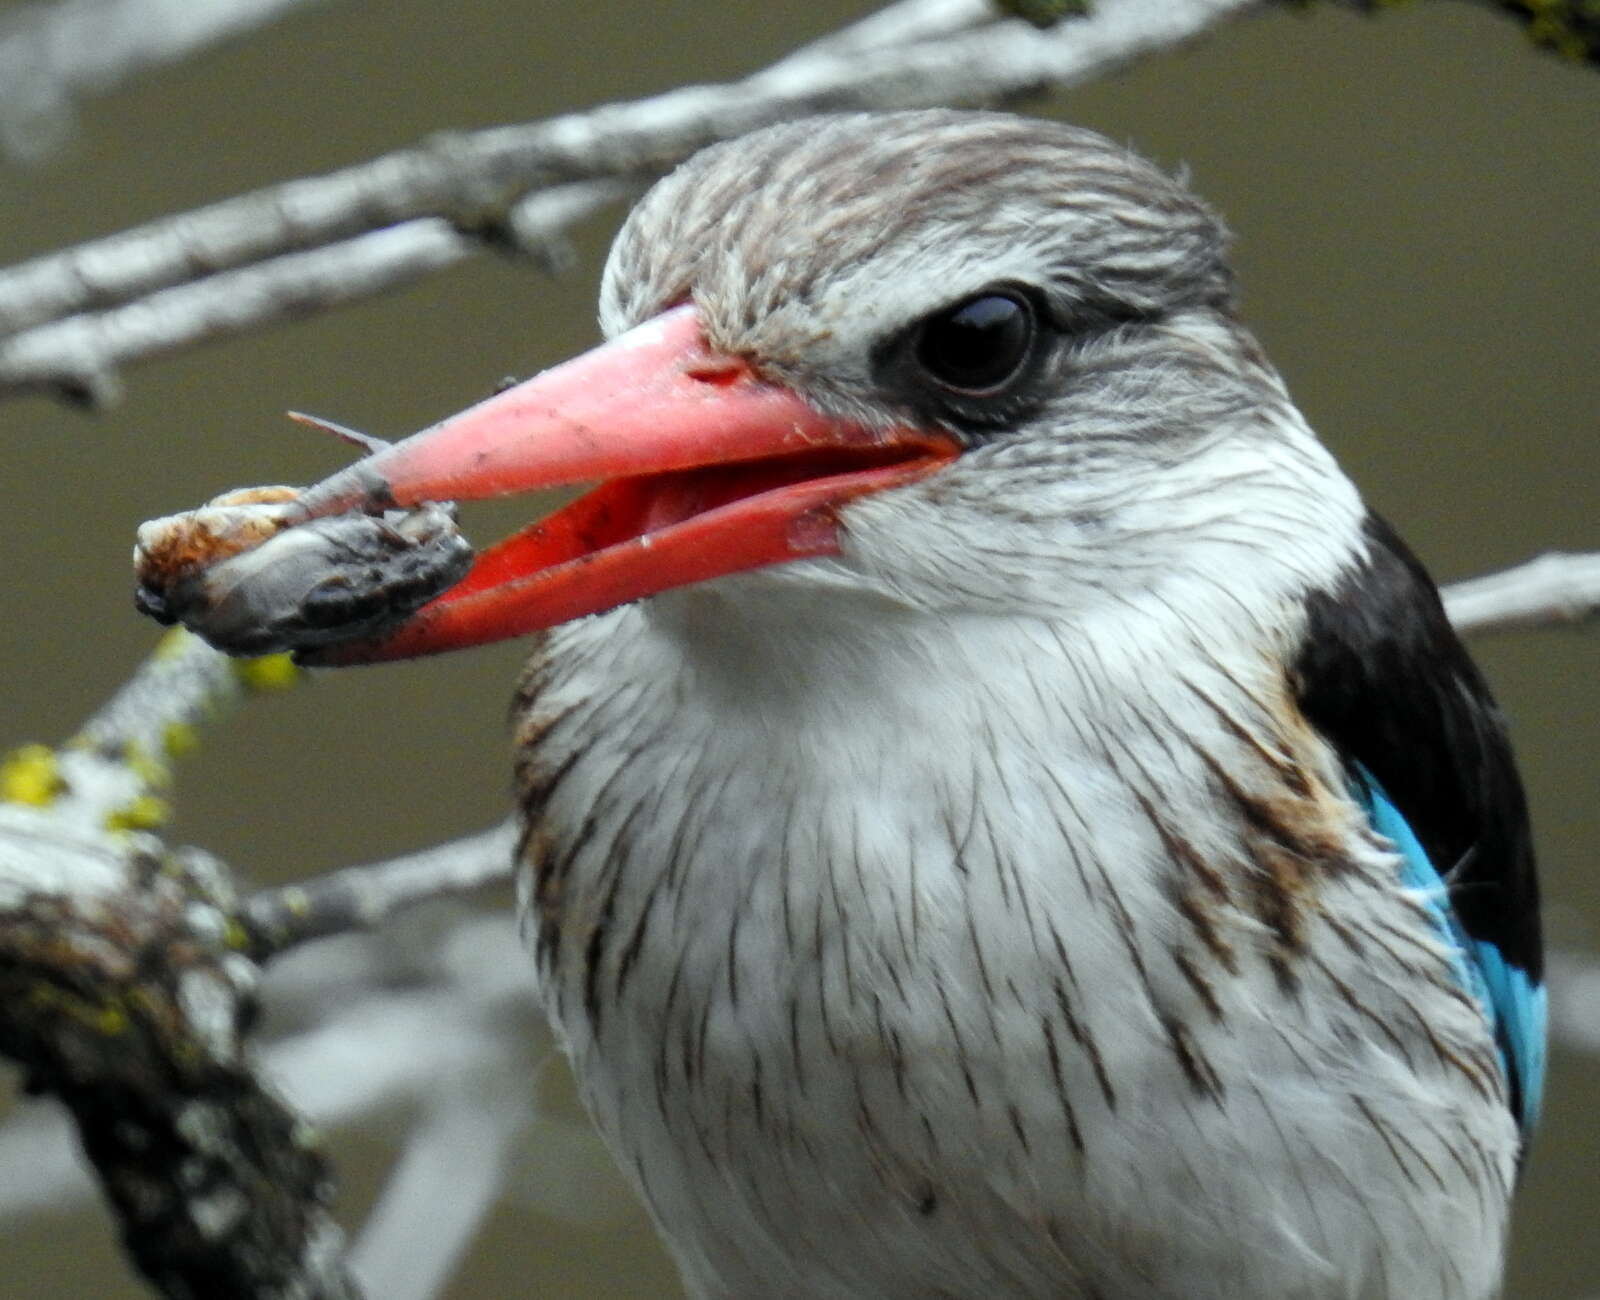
(126, 994)
(112, 775)
(1569, 28)
(120, 995)
(438, 1012)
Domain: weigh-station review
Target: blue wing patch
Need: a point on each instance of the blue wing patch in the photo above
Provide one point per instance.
(1514, 1004)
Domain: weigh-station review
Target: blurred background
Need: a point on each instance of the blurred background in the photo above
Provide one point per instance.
(1414, 197)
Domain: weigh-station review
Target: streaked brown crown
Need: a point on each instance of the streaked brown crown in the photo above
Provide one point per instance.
(767, 220)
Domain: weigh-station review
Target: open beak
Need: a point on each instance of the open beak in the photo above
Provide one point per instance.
(704, 469)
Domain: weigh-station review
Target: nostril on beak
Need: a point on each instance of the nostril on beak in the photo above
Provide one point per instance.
(719, 372)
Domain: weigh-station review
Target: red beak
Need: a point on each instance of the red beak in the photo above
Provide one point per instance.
(704, 469)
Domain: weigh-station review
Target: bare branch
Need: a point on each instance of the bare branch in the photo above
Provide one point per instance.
(51, 54)
(472, 182)
(78, 357)
(1554, 589)
(899, 24)
(359, 898)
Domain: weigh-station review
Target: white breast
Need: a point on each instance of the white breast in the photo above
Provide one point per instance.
(928, 960)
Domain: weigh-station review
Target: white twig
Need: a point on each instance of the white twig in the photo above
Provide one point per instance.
(1553, 589)
(473, 181)
(1574, 979)
(51, 54)
(359, 898)
(446, 1183)
(183, 683)
(538, 224)
(41, 1165)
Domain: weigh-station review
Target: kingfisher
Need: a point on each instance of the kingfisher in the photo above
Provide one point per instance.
(1001, 816)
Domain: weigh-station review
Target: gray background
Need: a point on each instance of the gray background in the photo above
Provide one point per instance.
(1413, 197)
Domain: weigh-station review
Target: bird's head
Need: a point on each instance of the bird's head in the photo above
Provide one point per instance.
(950, 359)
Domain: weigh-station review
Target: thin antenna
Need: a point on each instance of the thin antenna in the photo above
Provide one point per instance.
(366, 441)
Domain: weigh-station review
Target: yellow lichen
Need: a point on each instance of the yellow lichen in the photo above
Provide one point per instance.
(234, 935)
(178, 739)
(173, 643)
(153, 772)
(268, 673)
(295, 900)
(1566, 27)
(105, 1018)
(144, 813)
(31, 775)
(110, 1020)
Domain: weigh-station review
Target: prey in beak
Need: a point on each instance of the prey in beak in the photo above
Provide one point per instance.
(703, 469)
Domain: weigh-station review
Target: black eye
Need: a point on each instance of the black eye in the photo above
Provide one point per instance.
(976, 346)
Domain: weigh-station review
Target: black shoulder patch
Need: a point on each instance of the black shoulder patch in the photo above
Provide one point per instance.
(1384, 678)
